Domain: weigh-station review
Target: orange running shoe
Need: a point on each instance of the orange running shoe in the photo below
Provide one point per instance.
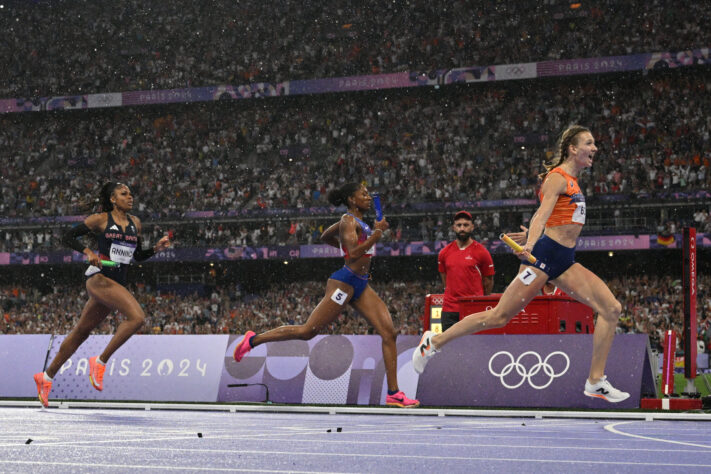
(43, 389)
(96, 373)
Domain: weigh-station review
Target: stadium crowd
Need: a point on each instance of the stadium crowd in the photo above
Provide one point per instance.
(306, 231)
(416, 147)
(651, 305)
(77, 47)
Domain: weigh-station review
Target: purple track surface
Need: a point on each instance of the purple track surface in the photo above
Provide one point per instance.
(92, 440)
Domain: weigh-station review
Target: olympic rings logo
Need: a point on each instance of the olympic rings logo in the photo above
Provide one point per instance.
(515, 70)
(528, 374)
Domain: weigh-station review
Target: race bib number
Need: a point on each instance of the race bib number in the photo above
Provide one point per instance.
(527, 276)
(339, 296)
(121, 252)
(579, 213)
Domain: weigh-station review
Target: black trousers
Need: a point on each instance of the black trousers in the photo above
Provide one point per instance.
(449, 319)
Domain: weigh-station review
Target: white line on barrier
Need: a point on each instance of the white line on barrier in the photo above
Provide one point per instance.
(368, 410)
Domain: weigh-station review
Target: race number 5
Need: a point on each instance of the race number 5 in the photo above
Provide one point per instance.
(527, 276)
(339, 296)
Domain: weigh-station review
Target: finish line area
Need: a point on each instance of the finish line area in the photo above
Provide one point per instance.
(119, 437)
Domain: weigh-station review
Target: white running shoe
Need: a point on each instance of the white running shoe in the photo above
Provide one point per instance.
(423, 352)
(604, 389)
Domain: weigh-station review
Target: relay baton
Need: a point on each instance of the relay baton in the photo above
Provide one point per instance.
(378, 207)
(108, 263)
(516, 247)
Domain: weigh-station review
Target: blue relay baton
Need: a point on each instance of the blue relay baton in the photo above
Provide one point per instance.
(378, 207)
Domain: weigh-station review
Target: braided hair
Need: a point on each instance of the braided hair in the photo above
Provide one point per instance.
(567, 138)
(105, 195)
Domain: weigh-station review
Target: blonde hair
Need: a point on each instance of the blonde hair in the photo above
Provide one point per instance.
(561, 149)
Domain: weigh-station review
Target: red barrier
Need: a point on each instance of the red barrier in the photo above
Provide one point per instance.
(543, 315)
(668, 363)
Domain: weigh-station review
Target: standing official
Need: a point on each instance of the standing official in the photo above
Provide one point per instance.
(466, 268)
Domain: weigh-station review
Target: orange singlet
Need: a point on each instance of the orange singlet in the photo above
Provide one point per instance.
(570, 207)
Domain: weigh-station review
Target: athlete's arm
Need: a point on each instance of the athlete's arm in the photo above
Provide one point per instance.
(553, 187)
(94, 223)
(349, 236)
(330, 235)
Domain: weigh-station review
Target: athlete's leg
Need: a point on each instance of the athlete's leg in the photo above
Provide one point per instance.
(376, 312)
(91, 316)
(517, 295)
(325, 312)
(586, 287)
(117, 297)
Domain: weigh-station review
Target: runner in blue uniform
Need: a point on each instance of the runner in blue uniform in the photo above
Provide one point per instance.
(347, 285)
(118, 235)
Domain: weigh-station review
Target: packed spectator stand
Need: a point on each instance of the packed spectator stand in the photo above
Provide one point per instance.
(417, 146)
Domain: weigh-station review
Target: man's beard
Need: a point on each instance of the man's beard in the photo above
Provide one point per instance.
(463, 236)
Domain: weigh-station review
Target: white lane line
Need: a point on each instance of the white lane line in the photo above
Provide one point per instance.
(612, 429)
(377, 456)
(142, 467)
(376, 443)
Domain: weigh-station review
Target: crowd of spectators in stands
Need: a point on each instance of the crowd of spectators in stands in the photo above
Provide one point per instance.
(76, 47)
(651, 305)
(422, 146)
(209, 234)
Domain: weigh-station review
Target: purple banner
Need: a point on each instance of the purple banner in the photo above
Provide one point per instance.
(326, 369)
(386, 249)
(160, 368)
(435, 77)
(541, 371)
(21, 356)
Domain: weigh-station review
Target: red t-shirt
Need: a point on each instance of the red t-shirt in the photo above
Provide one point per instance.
(464, 269)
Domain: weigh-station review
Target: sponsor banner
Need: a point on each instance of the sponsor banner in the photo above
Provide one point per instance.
(506, 72)
(326, 369)
(96, 101)
(159, 368)
(568, 67)
(541, 371)
(435, 77)
(21, 356)
(387, 249)
(613, 242)
(497, 371)
(353, 83)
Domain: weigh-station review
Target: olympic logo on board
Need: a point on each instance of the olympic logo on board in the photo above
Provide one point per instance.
(515, 70)
(527, 373)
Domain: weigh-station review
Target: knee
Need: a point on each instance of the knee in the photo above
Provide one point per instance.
(499, 319)
(306, 333)
(612, 311)
(388, 334)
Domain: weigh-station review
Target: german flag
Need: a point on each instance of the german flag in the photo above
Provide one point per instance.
(665, 240)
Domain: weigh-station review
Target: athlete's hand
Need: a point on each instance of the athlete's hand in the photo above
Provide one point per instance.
(92, 258)
(525, 252)
(162, 244)
(519, 237)
(382, 225)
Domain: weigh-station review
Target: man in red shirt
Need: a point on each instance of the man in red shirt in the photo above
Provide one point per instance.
(466, 268)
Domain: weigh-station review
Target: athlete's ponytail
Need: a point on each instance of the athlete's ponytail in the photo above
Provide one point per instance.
(340, 195)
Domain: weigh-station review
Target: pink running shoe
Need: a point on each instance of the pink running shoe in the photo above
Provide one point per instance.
(400, 400)
(43, 389)
(243, 347)
(96, 373)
